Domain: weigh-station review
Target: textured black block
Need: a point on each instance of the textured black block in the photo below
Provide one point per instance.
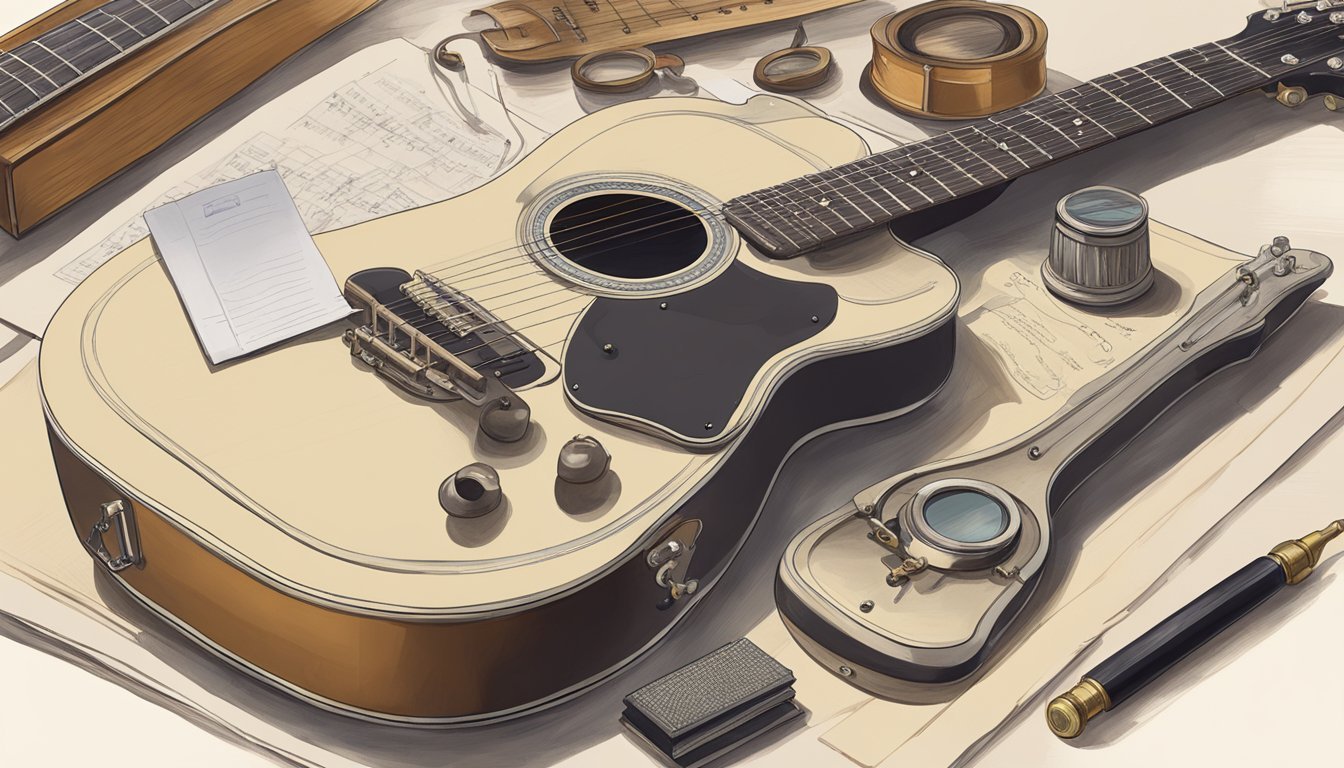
(713, 703)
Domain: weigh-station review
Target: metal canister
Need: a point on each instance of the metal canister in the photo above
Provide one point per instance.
(1099, 247)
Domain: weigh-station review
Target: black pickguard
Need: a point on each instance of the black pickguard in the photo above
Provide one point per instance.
(686, 367)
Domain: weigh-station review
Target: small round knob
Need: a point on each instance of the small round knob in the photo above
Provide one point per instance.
(471, 491)
(1099, 248)
(582, 460)
(505, 418)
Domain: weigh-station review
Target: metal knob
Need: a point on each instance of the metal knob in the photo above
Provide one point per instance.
(582, 460)
(471, 491)
(506, 418)
(1099, 248)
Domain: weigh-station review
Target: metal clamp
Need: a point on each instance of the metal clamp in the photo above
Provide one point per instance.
(672, 559)
(116, 513)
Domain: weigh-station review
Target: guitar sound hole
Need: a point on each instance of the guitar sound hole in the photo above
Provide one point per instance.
(629, 236)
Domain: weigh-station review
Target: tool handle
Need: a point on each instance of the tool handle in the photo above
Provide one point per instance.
(1143, 660)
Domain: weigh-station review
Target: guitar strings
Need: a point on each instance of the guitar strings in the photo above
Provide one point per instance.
(1030, 134)
(678, 214)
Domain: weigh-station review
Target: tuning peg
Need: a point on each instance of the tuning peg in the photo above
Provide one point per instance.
(1291, 95)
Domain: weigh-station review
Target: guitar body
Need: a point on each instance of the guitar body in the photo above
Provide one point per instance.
(283, 510)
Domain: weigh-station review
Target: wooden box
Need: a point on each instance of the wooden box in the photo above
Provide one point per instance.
(98, 126)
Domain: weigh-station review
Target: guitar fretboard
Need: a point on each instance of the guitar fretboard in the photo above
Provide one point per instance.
(39, 70)
(801, 214)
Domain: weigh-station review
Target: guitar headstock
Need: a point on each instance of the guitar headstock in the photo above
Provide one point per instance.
(1310, 35)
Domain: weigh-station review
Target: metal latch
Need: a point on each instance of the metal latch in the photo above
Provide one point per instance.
(672, 559)
(116, 513)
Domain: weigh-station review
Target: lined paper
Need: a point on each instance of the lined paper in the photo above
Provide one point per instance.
(245, 266)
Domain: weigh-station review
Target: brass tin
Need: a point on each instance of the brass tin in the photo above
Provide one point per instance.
(950, 87)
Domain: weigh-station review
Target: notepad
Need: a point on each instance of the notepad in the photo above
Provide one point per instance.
(248, 272)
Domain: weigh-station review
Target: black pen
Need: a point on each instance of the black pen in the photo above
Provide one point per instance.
(1114, 680)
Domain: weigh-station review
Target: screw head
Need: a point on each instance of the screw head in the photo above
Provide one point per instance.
(866, 606)
(1034, 452)
(1335, 62)
(573, 386)
(663, 305)
(1272, 14)
(709, 425)
(816, 319)
(608, 348)
(845, 671)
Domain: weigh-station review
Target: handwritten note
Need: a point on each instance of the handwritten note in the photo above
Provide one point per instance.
(245, 266)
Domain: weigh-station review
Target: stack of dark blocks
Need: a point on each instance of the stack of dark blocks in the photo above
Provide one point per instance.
(712, 705)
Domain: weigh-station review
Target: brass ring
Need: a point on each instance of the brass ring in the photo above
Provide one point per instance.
(944, 82)
(649, 60)
(809, 77)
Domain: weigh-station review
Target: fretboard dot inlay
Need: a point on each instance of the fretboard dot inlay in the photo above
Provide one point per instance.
(786, 220)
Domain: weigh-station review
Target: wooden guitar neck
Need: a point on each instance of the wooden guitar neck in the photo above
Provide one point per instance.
(94, 85)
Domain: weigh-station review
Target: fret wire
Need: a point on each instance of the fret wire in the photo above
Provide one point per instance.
(1179, 82)
(864, 192)
(832, 196)
(791, 220)
(123, 22)
(977, 155)
(1029, 141)
(1045, 129)
(887, 191)
(38, 43)
(1103, 89)
(19, 80)
(948, 146)
(1243, 61)
(807, 209)
(931, 148)
(1131, 87)
(846, 177)
(151, 10)
(897, 160)
(877, 185)
(59, 57)
(930, 174)
(14, 55)
(1026, 110)
(1002, 146)
(1218, 90)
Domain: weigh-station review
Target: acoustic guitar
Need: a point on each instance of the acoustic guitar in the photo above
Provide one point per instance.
(554, 420)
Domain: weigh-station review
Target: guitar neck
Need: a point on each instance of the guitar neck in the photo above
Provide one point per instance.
(41, 69)
(805, 213)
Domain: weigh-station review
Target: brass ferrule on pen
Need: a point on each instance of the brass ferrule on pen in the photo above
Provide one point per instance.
(1117, 678)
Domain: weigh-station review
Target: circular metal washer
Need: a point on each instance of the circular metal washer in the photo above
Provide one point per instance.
(921, 539)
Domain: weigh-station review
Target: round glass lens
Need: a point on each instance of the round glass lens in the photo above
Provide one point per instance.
(966, 516)
(1104, 207)
(961, 38)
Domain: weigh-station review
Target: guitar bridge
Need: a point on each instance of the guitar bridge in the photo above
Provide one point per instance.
(436, 343)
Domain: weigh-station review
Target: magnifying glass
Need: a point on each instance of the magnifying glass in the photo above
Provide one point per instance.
(796, 68)
(622, 71)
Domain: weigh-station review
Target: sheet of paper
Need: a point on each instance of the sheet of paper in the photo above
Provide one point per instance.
(16, 351)
(244, 265)
(373, 135)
